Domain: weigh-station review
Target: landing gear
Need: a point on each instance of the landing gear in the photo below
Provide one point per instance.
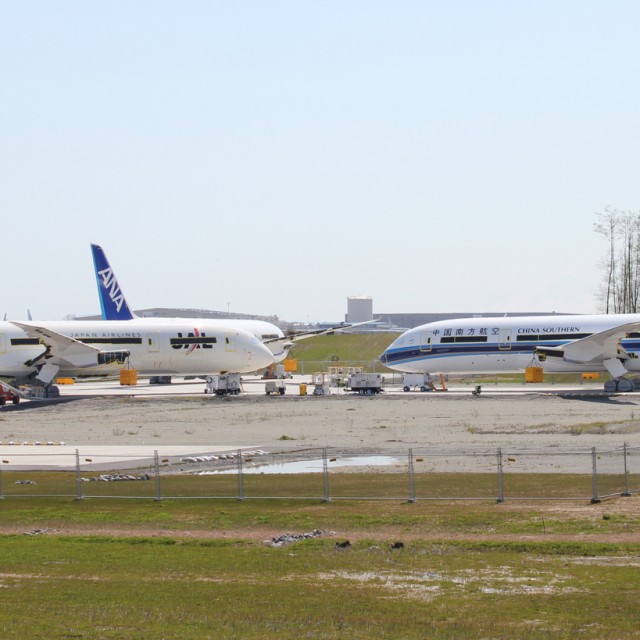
(619, 385)
(35, 387)
(40, 391)
(51, 391)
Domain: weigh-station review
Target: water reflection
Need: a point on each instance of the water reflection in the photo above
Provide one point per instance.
(309, 466)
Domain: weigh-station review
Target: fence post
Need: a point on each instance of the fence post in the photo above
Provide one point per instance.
(626, 493)
(240, 478)
(594, 474)
(412, 479)
(1, 493)
(500, 477)
(156, 463)
(325, 476)
(79, 495)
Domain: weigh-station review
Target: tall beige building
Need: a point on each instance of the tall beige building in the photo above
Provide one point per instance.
(359, 309)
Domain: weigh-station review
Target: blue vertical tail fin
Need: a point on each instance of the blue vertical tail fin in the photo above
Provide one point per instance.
(112, 300)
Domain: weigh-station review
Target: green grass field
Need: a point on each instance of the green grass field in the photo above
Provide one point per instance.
(387, 486)
(97, 587)
(186, 569)
(342, 349)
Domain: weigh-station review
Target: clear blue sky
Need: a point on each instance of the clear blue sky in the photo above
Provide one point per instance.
(279, 156)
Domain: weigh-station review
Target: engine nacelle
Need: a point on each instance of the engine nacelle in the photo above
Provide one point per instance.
(111, 357)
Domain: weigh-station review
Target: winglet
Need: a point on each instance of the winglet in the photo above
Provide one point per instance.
(112, 301)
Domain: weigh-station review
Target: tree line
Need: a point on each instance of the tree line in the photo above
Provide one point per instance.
(620, 287)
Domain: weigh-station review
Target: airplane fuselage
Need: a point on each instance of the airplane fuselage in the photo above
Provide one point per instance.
(503, 345)
(155, 346)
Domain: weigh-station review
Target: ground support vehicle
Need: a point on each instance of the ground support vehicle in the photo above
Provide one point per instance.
(223, 385)
(274, 386)
(365, 384)
(421, 381)
(276, 371)
(6, 395)
(412, 381)
(321, 384)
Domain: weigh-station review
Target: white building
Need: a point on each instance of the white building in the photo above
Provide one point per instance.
(359, 309)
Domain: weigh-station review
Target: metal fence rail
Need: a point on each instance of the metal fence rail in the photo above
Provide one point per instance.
(316, 474)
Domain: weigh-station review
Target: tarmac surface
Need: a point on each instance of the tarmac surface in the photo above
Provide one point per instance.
(104, 424)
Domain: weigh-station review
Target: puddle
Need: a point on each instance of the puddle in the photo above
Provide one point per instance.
(309, 466)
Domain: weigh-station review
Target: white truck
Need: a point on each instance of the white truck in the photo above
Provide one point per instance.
(365, 384)
(420, 381)
(275, 386)
(223, 385)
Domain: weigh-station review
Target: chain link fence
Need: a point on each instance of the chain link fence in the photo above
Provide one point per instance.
(319, 474)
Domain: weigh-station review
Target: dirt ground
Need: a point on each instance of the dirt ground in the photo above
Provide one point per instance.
(549, 432)
(455, 430)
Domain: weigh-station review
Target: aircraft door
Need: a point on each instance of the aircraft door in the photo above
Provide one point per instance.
(153, 342)
(426, 338)
(229, 342)
(505, 339)
(3, 347)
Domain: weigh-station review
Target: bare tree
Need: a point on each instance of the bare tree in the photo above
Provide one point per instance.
(620, 291)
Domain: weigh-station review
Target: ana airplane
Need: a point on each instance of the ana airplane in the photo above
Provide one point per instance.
(152, 346)
(43, 350)
(114, 307)
(558, 343)
(157, 346)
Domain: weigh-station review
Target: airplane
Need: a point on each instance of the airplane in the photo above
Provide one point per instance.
(115, 307)
(557, 343)
(41, 350)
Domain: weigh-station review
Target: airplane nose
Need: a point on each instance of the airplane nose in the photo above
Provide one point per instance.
(261, 356)
(390, 356)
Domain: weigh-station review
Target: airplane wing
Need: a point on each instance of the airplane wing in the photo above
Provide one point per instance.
(294, 337)
(61, 349)
(599, 346)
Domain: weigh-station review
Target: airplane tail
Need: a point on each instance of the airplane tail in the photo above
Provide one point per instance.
(112, 301)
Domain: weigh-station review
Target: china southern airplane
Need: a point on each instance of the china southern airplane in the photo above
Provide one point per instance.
(558, 343)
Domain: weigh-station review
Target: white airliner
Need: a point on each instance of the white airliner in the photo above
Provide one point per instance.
(114, 307)
(154, 346)
(558, 343)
